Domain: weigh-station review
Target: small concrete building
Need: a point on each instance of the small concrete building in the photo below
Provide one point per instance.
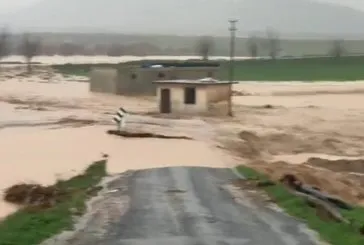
(138, 79)
(103, 80)
(205, 96)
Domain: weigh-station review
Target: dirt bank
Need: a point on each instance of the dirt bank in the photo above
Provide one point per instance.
(314, 131)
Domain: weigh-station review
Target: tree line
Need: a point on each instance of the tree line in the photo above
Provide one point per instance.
(268, 46)
(30, 46)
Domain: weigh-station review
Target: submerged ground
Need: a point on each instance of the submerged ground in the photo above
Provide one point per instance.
(52, 127)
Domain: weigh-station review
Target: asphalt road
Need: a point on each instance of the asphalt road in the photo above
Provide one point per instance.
(186, 206)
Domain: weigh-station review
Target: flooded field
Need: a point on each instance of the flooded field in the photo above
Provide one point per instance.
(51, 127)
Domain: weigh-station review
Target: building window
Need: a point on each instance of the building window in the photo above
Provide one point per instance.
(161, 75)
(133, 76)
(190, 95)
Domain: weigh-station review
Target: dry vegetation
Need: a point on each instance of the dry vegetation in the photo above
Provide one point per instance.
(139, 134)
(343, 177)
(34, 195)
(55, 205)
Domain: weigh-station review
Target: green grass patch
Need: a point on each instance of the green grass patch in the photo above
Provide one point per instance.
(330, 231)
(84, 69)
(73, 69)
(32, 227)
(306, 69)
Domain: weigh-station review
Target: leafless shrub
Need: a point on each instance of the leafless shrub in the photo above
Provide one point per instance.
(337, 49)
(205, 47)
(29, 49)
(69, 49)
(141, 48)
(253, 46)
(116, 50)
(4, 43)
(49, 49)
(273, 43)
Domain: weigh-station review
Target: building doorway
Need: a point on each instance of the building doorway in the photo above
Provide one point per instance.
(165, 101)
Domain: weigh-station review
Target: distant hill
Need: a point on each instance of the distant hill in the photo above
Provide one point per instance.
(188, 17)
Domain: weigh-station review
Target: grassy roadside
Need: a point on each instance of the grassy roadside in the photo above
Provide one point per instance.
(31, 228)
(330, 231)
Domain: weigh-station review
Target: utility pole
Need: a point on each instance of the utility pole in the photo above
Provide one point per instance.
(232, 30)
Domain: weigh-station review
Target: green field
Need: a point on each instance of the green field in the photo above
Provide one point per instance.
(306, 69)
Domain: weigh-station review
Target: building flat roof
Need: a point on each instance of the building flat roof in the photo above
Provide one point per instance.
(180, 64)
(204, 81)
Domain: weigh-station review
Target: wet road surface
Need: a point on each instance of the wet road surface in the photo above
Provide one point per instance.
(189, 206)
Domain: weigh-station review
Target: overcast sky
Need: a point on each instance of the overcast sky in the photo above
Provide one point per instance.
(351, 3)
(10, 5)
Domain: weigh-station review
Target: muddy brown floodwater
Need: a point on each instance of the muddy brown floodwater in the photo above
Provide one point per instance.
(52, 127)
(69, 133)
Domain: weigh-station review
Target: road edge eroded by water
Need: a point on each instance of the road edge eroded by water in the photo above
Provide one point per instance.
(103, 210)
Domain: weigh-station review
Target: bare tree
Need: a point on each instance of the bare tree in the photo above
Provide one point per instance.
(205, 47)
(49, 49)
(4, 43)
(337, 49)
(273, 43)
(70, 48)
(253, 46)
(116, 50)
(30, 47)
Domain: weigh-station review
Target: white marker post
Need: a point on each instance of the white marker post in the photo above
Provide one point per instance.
(120, 118)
